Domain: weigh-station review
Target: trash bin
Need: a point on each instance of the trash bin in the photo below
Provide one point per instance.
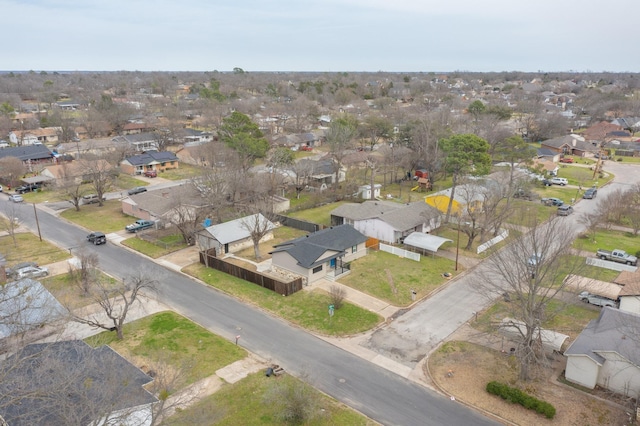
(269, 372)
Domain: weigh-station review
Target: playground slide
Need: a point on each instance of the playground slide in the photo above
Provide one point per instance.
(415, 187)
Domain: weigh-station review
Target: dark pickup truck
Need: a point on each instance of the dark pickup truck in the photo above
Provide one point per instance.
(139, 225)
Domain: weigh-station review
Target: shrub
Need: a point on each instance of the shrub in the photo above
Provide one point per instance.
(516, 396)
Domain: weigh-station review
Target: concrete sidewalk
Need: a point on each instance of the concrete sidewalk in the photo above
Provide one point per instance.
(380, 307)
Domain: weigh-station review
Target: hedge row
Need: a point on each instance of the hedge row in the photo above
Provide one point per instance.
(516, 396)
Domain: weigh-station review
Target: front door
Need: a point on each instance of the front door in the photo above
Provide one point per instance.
(333, 264)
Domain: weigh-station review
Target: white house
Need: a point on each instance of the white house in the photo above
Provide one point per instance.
(607, 353)
(387, 221)
(235, 235)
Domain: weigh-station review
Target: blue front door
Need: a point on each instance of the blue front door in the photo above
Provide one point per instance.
(333, 264)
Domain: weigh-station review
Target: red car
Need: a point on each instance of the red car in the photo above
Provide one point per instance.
(306, 148)
(151, 173)
(566, 160)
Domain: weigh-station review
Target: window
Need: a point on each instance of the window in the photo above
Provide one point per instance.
(317, 269)
(354, 249)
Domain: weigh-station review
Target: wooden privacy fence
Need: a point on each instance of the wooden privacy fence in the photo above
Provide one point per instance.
(284, 288)
(303, 225)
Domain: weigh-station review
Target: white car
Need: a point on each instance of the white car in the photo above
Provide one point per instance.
(16, 198)
(32, 272)
(559, 181)
(594, 299)
(0, 188)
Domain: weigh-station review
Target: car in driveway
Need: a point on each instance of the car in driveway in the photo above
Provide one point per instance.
(97, 238)
(32, 272)
(16, 198)
(306, 148)
(27, 188)
(150, 173)
(565, 210)
(552, 201)
(590, 194)
(92, 199)
(13, 270)
(567, 160)
(594, 299)
(137, 190)
(558, 181)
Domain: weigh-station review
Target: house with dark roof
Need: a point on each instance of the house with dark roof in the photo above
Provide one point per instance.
(321, 173)
(151, 160)
(322, 254)
(32, 154)
(139, 141)
(69, 382)
(387, 221)
(607, 353)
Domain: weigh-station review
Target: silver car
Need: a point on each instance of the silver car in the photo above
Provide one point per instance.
(16, 198)
(32, 272)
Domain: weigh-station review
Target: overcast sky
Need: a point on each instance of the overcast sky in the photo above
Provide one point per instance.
(314, 35)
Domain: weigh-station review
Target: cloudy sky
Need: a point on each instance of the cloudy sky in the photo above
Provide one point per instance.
(314, 35)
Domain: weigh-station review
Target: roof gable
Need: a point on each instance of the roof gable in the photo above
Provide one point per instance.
(28, 152)
(236, 230)
(151, 157)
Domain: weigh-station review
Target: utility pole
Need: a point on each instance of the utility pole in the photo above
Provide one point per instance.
(35, 212)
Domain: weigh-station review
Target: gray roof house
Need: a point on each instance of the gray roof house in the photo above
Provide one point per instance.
(69, 382)
(387, 221)
(570, 145)
(607, 353)
(324, 253)
(151, 160)
(138, 141)
(233, 236)
(25, 305)
(28, 153)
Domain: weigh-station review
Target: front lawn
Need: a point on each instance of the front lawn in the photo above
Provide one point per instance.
(307, 309)
(162, 246)
(391, 278)
(184, 171)
(608, 240)
(108, 218)
(173, 339)
(29, 248)
(244, 403)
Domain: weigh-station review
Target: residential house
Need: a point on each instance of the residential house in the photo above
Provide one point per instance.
(630, 124)
(467, 196)
(629, 295)
(42, 136)
(79, 171)
(547, 166)
(607, 353)
(570, 145)
(322, 254)
(139, 141)
(182, 203)
(27, 305)
(135, 128)
(321, 173)
(151, 160)
(548, 154)
(69, 382)
(93, 147)
(30, 155)
(235, 235)
(387, 221)
(197, 136)
(601, 131)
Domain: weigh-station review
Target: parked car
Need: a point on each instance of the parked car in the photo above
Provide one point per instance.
(97, 238)
(546, 182)
(558, 181)
(137, 190)
(139, 225)
(594, 299)
(27, 188)
(0, 188)
(565, 210)
(32, 272)
(151, 173)
(617, 255)
(16, 198)
(306, 148)
(12, 271)
(552, 201)
(92, 199)
(566, 160)
(590, 194)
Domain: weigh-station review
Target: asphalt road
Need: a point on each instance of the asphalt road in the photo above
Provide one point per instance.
(372, 390)
(419, 331)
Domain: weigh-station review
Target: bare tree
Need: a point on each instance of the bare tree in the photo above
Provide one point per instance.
(294, 401)
(101, 175)
(115, 300)
(12, 222)
(337, 294)
(531, 271)
(86, 273)
(258, 227)
(11, 168)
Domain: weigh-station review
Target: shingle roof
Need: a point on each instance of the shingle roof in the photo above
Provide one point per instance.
(69, 377)
(29, 152)
(400, 216)
(151, 157)
(307, 250)
(161, 201)
(612, 331)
